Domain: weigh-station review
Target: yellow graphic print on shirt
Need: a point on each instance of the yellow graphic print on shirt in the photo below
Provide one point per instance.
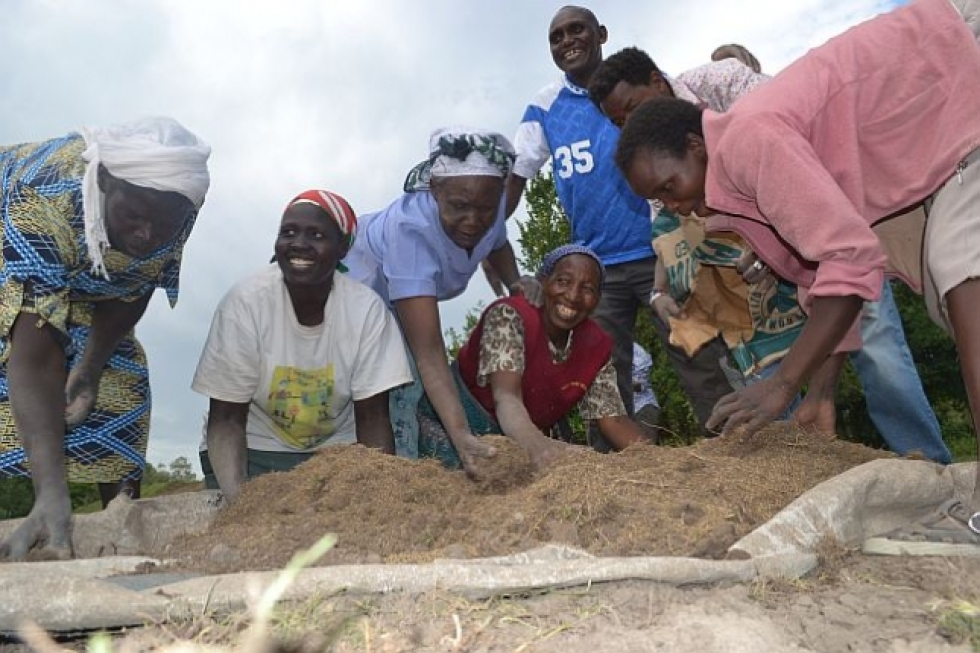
(299, 405)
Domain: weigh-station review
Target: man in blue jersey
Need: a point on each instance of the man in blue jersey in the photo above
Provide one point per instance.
(563, 124)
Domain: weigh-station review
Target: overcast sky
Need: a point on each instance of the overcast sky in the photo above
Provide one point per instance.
(299, 94)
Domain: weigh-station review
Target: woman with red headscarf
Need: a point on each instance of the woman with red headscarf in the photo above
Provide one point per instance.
(298, 358)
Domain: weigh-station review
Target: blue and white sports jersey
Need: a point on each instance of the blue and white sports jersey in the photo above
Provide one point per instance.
(606, 215)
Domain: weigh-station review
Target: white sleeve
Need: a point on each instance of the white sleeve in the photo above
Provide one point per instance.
(229, 366)
(381, 360)
(531, 146)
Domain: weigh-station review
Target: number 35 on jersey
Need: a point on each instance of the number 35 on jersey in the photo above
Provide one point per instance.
(573, 158)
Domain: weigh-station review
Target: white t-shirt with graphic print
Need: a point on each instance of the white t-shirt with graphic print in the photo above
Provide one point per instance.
(301, 382)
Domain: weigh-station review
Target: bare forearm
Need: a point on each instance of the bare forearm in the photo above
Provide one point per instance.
(621, 431)
(823, 383)
(504, 264)
(228, 452)
(437, 380)
(829, 321)
(660, 281)
(515, 422)
(36, 379)
(514, 189)
(373, 423)
(111, 321)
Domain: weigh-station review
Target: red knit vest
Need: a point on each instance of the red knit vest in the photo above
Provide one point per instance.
(550, 390)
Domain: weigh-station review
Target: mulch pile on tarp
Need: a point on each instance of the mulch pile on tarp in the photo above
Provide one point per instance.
(648, 500)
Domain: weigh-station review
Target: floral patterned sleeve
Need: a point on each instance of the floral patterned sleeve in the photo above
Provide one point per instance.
(603, 398)
(502, 343)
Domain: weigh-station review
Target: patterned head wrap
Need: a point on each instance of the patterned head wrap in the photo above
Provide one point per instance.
(550, 261)
(336, 207)
(462, 152)
(155, 153)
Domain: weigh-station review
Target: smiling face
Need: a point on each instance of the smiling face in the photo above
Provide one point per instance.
(468, 206)
(576, 41)
(625, 97)
(141, 220)
(677, 182)
(571, 293)
(309, 246)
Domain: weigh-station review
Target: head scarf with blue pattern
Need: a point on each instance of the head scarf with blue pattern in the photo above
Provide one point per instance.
(550, 261)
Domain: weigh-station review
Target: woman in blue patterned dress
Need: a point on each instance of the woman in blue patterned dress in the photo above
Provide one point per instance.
(92, 224)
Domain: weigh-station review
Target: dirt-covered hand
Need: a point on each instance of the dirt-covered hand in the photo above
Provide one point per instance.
(530, 287)
(753, 407)
(81, 391)
(471, 450)
(817, 412)
(543, 454)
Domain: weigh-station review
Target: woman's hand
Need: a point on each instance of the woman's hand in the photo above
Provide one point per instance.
(818, 409)
(81, 392)
(818, 413)
(751, 268)
(550, 451)
(530, 288)
(664, 306)
(752, 407)
(471, 449)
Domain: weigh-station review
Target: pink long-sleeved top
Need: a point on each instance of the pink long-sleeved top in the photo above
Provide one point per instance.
(870, 123)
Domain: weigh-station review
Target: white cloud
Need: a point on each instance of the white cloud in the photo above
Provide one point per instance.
(322, 93)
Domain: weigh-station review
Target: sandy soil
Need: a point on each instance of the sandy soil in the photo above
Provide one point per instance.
(851, 603)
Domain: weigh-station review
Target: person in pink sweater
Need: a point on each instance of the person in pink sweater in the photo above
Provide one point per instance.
(809, 168)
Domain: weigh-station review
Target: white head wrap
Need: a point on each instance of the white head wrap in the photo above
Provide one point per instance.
(155, 153)
(462, 152)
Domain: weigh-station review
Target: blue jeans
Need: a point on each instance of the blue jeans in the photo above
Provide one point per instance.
(897, 404)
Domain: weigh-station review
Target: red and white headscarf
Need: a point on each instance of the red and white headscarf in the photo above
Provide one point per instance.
(335, 206)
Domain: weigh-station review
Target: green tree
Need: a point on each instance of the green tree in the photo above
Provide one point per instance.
(546, 226)
(181, 471)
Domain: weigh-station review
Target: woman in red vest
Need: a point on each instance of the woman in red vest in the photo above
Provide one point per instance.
(524, 367)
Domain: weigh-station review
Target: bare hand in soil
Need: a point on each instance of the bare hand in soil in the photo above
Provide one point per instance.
(545, 453)
(81, 391)
(45, 534)
(752, 407)
(470, 449)
(818, 414)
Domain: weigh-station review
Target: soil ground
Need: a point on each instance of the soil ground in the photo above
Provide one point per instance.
(646, 501)
(851, 603)
(684, 501)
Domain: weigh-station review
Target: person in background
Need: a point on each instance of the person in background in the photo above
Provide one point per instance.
(896, 401)
(561, 123)
(298, 357)
(423, 249)
(645, 403)
(739, 53)
(857, 156)
(524, 368)
(93, 223)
